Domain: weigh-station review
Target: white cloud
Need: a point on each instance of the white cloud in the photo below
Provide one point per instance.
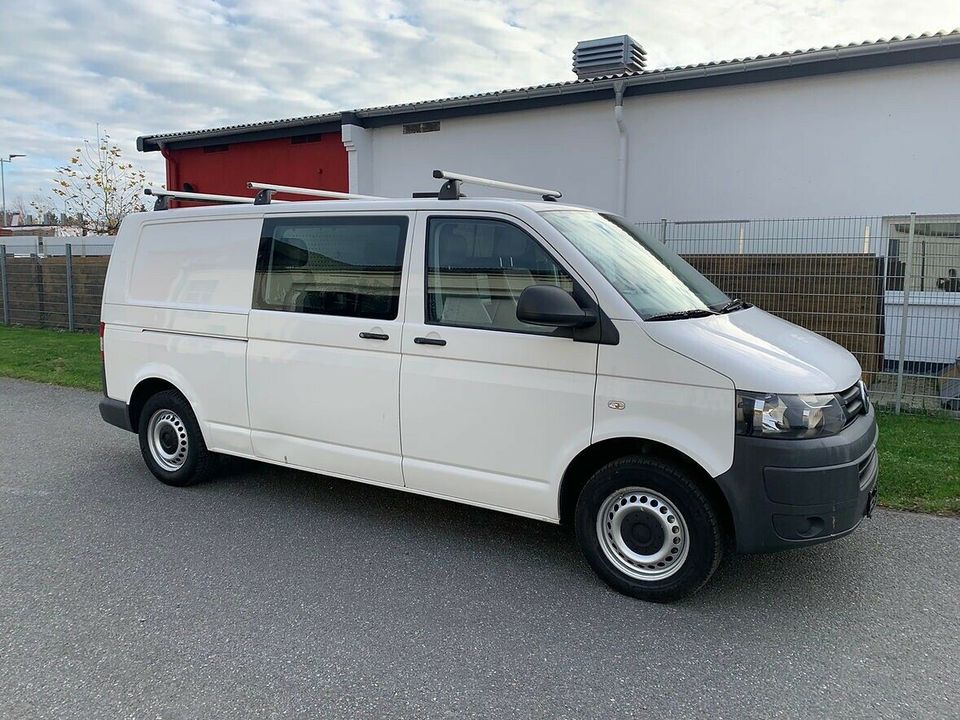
(138, 68)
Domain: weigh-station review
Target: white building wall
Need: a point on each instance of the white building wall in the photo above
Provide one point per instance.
(573, 147)
(873, 142)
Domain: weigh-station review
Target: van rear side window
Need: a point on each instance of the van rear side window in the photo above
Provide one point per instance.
(347, 266)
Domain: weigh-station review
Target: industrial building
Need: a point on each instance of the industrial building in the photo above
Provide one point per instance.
(865, 129)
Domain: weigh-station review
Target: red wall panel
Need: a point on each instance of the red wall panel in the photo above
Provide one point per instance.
(318, 164)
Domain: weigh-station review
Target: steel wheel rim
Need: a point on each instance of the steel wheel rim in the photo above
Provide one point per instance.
(167, 440)
(630, 523)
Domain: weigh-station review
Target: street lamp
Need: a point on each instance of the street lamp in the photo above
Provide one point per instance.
(3, 188)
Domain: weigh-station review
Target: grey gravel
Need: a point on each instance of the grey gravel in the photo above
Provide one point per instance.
(272, 593)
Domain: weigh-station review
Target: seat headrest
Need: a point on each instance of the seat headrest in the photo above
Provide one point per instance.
(289, 253)
(452, 248)
(511, 242)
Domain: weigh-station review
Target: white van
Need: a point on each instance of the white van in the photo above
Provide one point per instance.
(530, 357)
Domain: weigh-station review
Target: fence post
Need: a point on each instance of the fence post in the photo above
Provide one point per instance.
(68, 256)
(37, 272)
(663, 230)
(4, 287)
(905, 312)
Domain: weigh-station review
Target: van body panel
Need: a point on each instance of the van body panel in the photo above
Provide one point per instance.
(324, 398)
(695, 420)
(639, 356)
(210, 372)
(487, 423)
(344, 461)
(647, 391)
(187, 321)
(175, 308)
(761, 352)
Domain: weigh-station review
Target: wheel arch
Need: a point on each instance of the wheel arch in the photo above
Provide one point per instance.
(595, 456)
(143, 391)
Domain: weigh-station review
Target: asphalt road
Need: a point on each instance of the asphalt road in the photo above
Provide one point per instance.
(272, 593)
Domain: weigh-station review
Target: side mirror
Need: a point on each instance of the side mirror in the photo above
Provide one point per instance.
(549, 305)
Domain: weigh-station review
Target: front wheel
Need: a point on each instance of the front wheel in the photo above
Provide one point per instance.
(647, 529)
(171, 442)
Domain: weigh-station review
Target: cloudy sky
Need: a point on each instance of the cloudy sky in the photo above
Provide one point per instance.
(145, 67)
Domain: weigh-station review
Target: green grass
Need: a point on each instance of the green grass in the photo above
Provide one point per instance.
(919, 456)
(51, 356)
(920, 463)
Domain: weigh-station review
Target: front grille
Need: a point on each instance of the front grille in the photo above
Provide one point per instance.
(867, 468)
(853, 402)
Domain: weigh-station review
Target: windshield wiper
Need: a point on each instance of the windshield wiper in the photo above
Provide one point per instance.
(733, 305)
(681, 315)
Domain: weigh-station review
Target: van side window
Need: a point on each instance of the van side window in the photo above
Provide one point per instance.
(476, 270)
(348, 266)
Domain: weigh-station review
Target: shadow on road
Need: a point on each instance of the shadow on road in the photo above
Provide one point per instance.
(824, 576)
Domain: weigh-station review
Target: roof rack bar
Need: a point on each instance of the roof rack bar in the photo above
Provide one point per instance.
(163, 196)
(311, 192)
(454, 179)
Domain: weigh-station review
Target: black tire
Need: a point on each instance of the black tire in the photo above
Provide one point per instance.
(190, 462)
(647, 524)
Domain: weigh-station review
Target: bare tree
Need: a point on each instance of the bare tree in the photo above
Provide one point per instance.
(20, 209)
(45, 208)
(98, 188)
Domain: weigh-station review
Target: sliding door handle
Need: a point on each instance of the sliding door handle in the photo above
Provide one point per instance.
(374, 336)
(429, 341)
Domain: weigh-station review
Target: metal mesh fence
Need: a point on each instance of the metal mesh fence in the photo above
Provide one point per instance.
(886, 288)
(60, 286)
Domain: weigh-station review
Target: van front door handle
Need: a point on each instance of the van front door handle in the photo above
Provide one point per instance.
(429, 341)
(374, 336)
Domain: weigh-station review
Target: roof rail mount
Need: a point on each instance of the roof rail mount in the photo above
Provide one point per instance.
(451, 188)
(164, 196)
(266, 191)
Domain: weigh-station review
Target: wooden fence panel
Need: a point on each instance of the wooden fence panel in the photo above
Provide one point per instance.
(839, 296)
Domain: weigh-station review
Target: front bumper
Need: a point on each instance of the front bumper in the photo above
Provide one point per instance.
(787, 493)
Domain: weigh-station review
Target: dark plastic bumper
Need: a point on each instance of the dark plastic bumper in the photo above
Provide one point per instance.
(788, 493)
(116, 413)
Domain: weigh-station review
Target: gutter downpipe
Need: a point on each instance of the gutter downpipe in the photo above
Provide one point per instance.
(173, 169)
(618, 88)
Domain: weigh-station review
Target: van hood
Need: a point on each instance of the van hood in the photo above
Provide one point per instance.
(760, 352)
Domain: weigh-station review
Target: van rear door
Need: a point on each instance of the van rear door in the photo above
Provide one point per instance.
(323, 358)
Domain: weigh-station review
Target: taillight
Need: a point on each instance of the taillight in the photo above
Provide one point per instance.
(101, 341)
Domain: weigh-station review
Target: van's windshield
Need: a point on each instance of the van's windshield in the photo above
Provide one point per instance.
(657, 282)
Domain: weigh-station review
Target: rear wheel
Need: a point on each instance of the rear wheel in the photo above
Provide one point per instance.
(647, 529)
(171, 442)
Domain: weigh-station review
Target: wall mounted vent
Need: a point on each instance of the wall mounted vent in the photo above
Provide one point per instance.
(421, 127)
(608, 56)
(301, 139)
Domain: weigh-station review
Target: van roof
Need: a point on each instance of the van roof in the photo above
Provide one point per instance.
(404, 204)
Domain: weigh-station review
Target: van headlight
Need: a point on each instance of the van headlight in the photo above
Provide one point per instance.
(788, 416)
